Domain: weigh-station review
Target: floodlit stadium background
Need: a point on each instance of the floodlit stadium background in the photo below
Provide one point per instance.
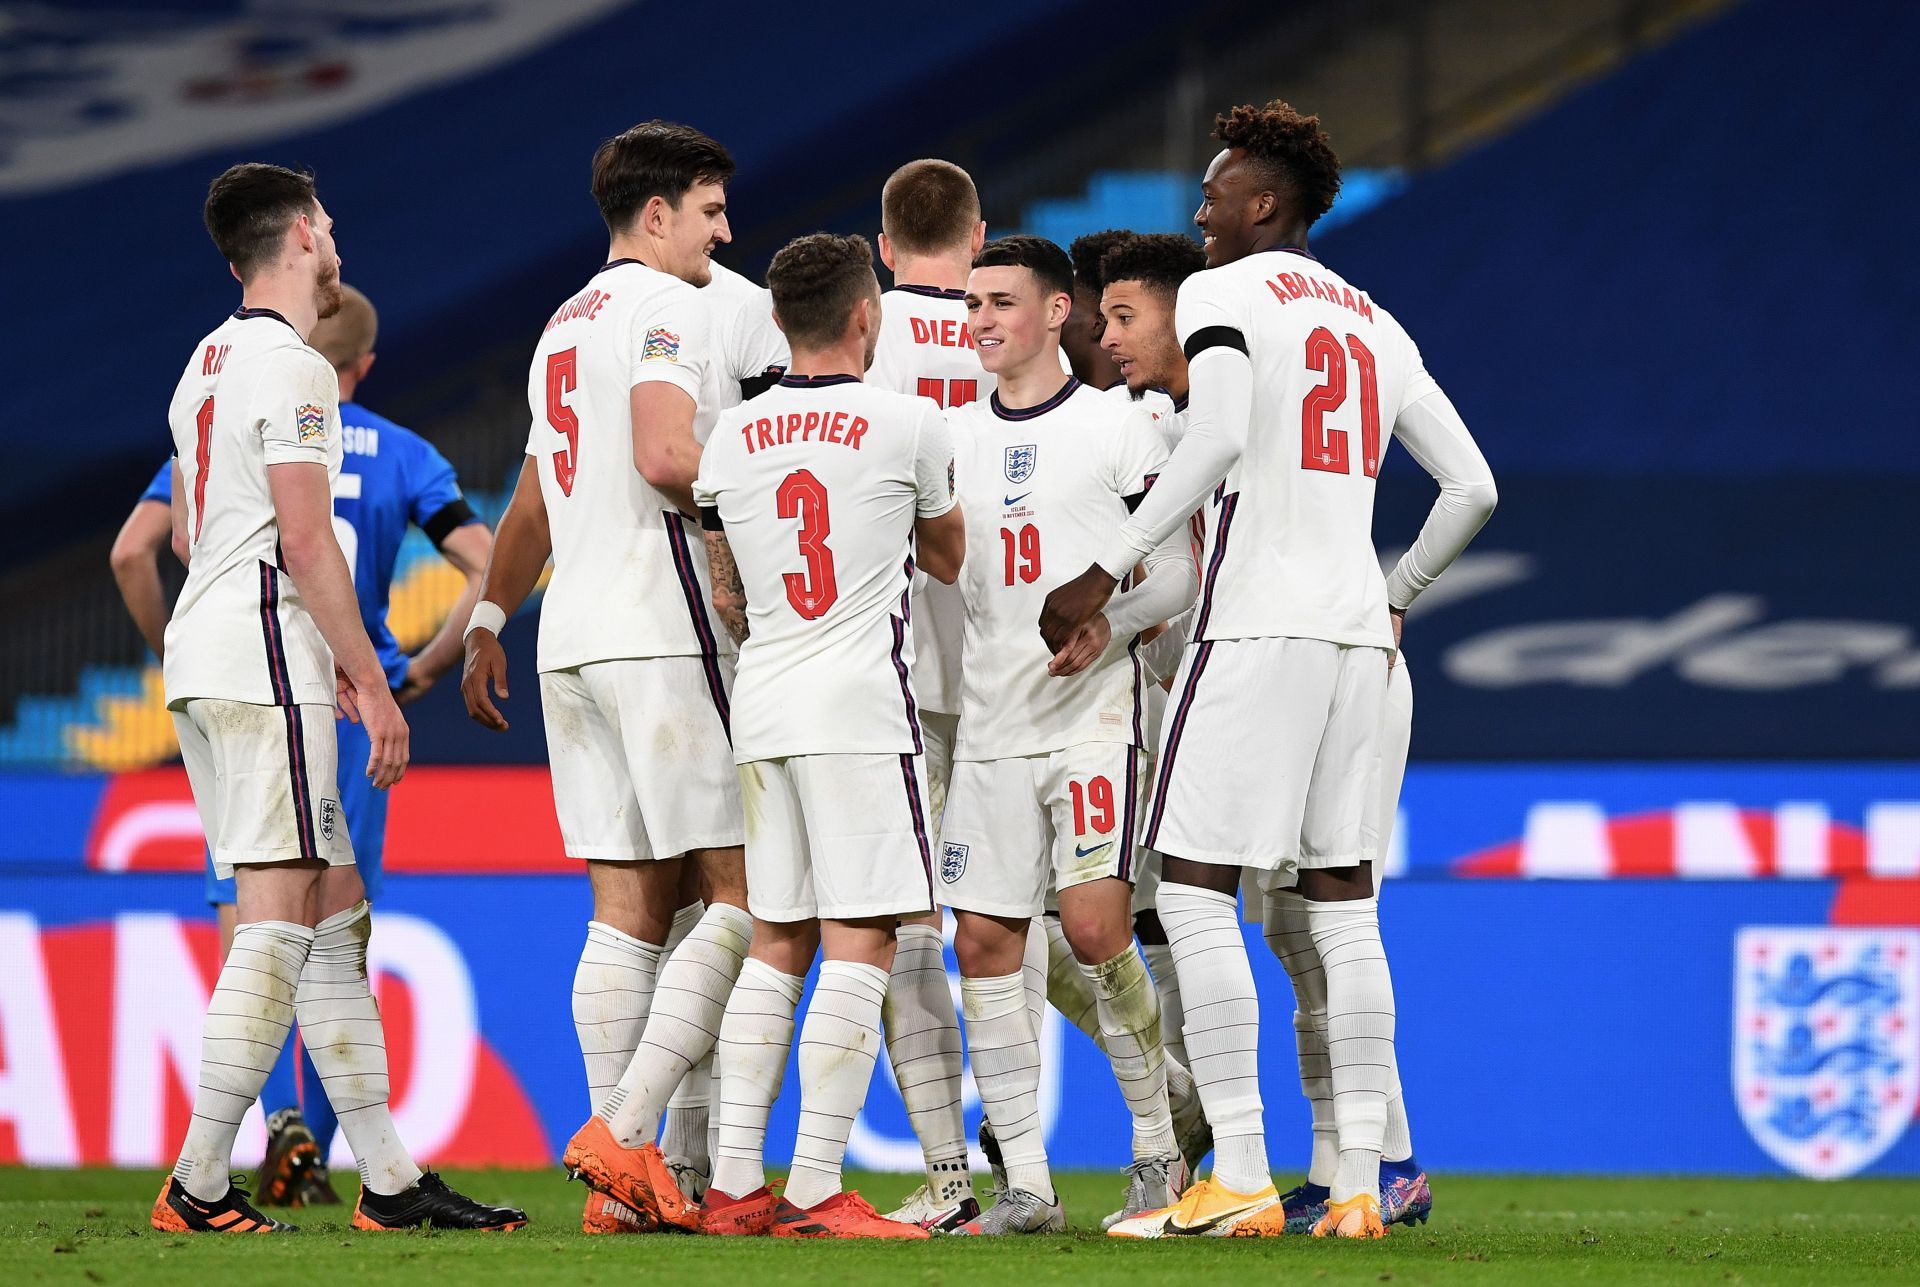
(1666, 730)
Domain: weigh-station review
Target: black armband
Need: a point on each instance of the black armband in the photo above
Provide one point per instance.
(754, 386)
(1213, 337)
(710, 519)
(455, 513)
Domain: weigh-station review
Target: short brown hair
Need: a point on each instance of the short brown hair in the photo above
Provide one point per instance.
(1292, 149)
(348, 335)
(929, 206)
(653, 159)
(816, 281)
(249, 209)
(1047, 262)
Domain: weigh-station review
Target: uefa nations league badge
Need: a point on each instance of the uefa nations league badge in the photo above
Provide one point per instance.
(1826, 1043)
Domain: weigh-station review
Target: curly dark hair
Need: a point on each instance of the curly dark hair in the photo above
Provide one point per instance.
(816, 280)
(1293, 150)
(1159, 260)
(1088, 251)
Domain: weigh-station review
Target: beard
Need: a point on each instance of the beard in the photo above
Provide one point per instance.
(328, 295)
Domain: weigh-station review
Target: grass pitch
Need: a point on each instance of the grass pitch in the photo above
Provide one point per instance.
(91, 1227)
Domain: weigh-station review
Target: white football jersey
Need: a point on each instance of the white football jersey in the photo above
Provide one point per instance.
(926, 348)
(629, 573)
(747, 342)
(253, 395)
(817, 483)
(1042, 487)
(1290, 537)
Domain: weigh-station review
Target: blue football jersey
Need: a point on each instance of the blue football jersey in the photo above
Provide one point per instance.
(390, 477)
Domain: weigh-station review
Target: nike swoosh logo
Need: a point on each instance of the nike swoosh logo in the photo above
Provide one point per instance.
(1078, 852)
(1174, 1225)
(1015, 500)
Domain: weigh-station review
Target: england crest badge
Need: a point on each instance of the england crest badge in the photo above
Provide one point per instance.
(1020, 461)
(953, 862)
(1826, 1043)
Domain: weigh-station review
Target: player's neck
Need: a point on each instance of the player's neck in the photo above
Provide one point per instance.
(1275, 237)
(1176, 386)
(848, 358)
(635, 246)
(290, 298)
(939, 272)
(1034, 381)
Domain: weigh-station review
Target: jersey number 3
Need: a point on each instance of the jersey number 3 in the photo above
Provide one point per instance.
(804, 497)
(563, 377)
(1326, 449)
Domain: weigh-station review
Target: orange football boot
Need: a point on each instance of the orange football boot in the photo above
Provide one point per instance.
(749, 1216)
(1357, 1217)
(844, 1215)
(610, 1215)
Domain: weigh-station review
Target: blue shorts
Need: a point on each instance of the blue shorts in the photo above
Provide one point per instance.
(366, 811)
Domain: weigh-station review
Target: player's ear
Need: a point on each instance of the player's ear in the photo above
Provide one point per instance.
(653, 216)
(979, 236)
(364, 365)
(886, 251)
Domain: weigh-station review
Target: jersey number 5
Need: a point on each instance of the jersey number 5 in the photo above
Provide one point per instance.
(202, 457)
(804, 497)
(563, 377)
(1326, 449)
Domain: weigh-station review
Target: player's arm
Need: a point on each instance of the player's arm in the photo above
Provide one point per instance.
(136, 568)
(667, 359)
(664, 450)
(1220, 409)
(939, 530)
(729, 594)
(303, 506)
(518, 555)
(1436, 437)
(466, 546)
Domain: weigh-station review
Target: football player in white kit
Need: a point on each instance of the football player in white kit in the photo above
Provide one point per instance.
(930, 231)
(1270, 758)
(1046, 773)
(816, 496)
(265, 635)
(1142, 277)
(634, 676)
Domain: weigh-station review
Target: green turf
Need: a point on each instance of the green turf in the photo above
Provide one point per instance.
(91, 1226)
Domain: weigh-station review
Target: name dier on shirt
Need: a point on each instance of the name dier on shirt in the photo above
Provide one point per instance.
(812, 426)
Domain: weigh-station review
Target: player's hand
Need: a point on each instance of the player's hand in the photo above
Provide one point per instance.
(1083, 647)
(1398, 616)
(419, 679)
(387, 731)
(1073, 605)
(486, 664)
(346, 703)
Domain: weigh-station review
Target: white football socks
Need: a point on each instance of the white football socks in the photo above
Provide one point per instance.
(688, 1001)
(248, 1019)
(1129, 1012)
(838, 1044)
(1360, 1022)
(1223, 1027)
(1068, 988)
(340, 1027)
(1033, 973)
(1173, 1016)
(1291, 939)
(686, 1132)
(1006, 1069)
(756, 1035)
(923, 1044)
(612, 990)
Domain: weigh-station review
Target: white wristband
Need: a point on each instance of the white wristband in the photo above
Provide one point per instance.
(487, 615)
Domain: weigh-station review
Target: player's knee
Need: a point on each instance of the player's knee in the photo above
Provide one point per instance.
(1336, 884)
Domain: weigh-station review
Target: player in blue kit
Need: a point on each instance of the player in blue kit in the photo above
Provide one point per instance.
(390, 478)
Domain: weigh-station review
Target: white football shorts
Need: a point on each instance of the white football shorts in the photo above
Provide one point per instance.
(841, 837)
(938, 731)
(1270, 756)
(1015, 825)
(1396, 734)
(642, 767)
(265, 780)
